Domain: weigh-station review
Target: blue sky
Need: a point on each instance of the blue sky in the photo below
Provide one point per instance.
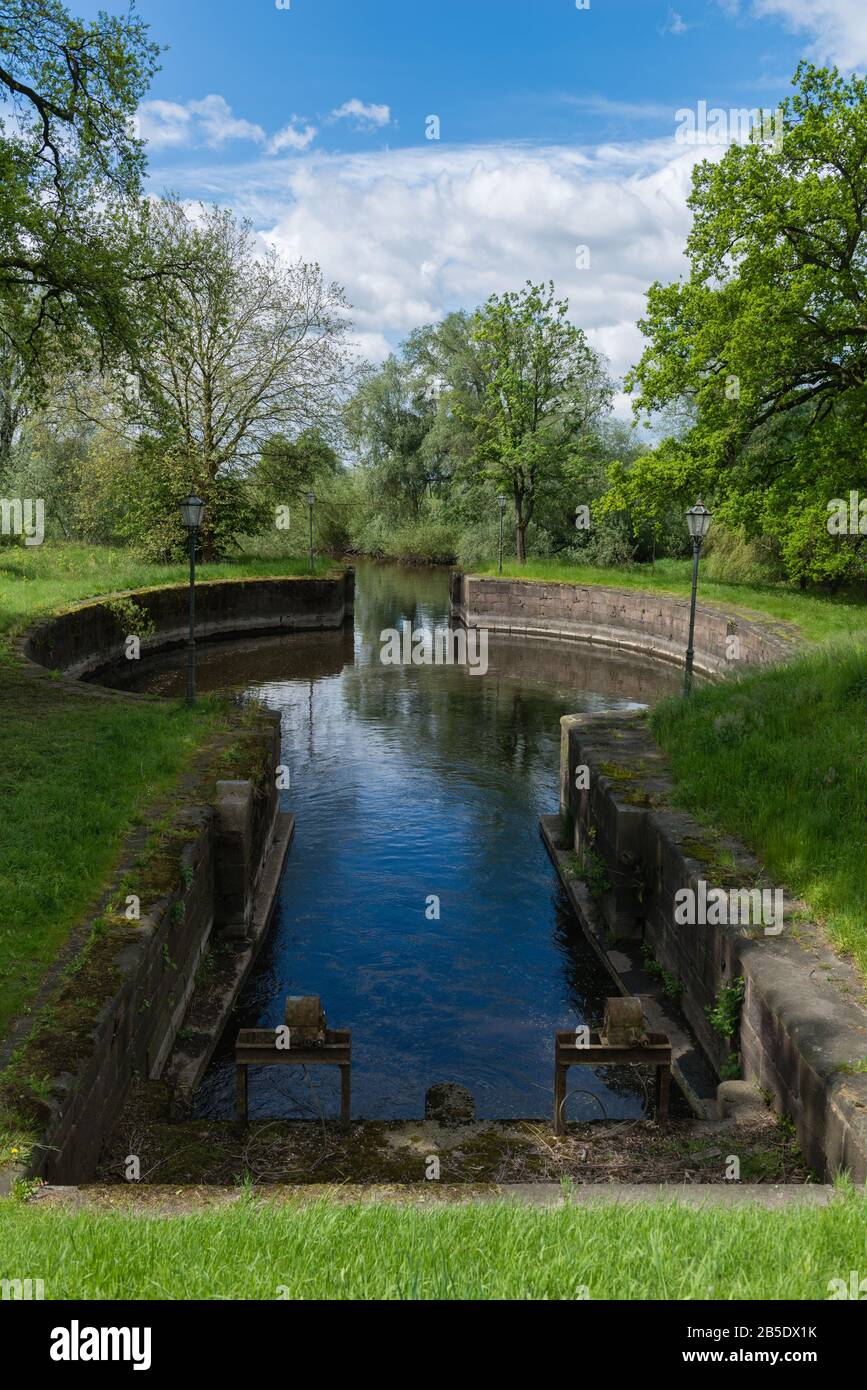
(492, 69)
(557, 131)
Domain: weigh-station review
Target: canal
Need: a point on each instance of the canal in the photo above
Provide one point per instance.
(418, 900)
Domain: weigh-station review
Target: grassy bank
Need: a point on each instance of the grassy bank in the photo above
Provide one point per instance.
(74, 776)
(817, 616)
(253, 1251)
(76, 773)
(46, 578)
(777, 758)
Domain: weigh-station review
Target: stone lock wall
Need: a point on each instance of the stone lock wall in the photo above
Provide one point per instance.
(147, 969)
(90, 637)
(656, 625)
(803, 1024)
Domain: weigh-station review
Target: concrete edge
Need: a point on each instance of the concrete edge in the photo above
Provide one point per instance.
(162, 1201)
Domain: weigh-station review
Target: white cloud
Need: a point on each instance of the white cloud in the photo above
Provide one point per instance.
(838, 27)
(674, 23)
(163, 123)
(292, 137)
(415, 233)
(207, 122)
(219, 125)
(363, 116)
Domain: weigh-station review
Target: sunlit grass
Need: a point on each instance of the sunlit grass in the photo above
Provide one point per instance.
(456, 1252)
(45, 578)
(778, 759)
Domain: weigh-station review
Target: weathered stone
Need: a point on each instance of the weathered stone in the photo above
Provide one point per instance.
(739, 1101)
(305, 1018)
(449, 1103)
(623, 1025)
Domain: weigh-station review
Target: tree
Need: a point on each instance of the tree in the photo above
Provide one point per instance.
(70, 166)
(238, 346)
(388, 419)
(767, 337)
(545, 389)
(287, 468)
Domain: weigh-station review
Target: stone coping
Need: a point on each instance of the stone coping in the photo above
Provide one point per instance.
(803, 1023)
(631, 620)
(85, 637)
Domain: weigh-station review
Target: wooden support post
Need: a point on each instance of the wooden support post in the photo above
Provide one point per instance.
(663, 1086)
(653, 1051)
(559, 1098)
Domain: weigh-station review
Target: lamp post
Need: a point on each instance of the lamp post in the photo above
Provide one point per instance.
(192, 511)
(698, 519)
(311, 501)
(501, 503)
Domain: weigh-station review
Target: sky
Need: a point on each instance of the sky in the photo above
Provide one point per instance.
(429, 153)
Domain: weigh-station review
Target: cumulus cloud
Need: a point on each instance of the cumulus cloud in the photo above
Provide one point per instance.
(218, 124)
(163, 124)
(207, 122)
(415, 233)
(292, 137)
(838, 27)
(364, 116)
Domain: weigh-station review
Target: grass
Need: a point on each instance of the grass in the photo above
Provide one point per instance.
(777, 758)
(44, 579)
(816, 616)
(107, 761)
(75, 773)
(254, 1250)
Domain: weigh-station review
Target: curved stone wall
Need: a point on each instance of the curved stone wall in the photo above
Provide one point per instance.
(656, 625)
(91, 636)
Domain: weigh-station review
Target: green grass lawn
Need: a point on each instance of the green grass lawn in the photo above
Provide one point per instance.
(46, 578)
(76, 773)
(817, 616)
(777, 758)
(253, 1250)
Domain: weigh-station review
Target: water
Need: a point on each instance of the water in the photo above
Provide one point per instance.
(410, 784)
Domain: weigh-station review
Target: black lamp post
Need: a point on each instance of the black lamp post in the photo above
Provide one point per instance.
(501, 503)
(311, 502)
(698, 519)
(192, 511)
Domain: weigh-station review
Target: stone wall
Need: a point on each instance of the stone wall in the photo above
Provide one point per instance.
(91, 636)
(656, 625)
(803, 1023)
(141, 973)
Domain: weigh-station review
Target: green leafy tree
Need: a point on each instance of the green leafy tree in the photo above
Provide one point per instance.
(70, 167)
(545, 390)
(766, 338)
(237, 347)
(388, 419)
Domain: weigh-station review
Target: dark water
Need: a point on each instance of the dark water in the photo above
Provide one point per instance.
(410, 783)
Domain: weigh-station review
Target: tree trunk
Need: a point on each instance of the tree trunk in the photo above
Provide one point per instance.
(520, 547)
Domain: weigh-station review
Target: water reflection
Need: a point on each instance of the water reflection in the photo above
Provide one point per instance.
(412, 785)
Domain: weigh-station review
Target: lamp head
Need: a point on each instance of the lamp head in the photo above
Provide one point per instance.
(192, 510)
(698, 519)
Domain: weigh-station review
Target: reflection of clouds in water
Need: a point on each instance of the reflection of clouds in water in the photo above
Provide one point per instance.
(408, 782)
